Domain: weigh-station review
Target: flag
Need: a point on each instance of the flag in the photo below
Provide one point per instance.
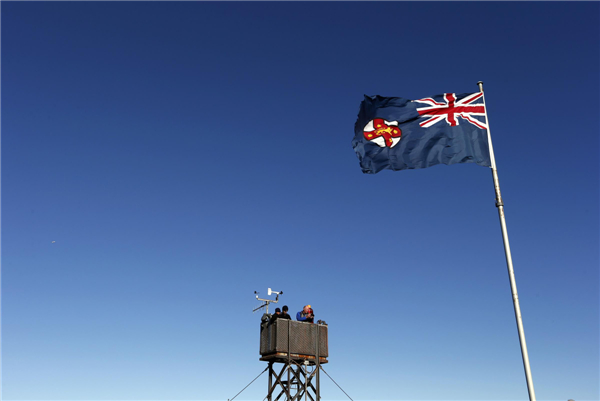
(397, 134)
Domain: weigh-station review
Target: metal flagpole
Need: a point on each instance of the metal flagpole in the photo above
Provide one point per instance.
(509, 264)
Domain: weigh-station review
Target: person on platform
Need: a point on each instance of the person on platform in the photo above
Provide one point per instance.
(306, 315)
(276, 315)
(284, 313)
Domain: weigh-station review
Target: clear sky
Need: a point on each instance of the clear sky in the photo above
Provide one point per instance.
(162, 161)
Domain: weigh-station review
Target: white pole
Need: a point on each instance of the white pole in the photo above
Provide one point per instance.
(509, 264)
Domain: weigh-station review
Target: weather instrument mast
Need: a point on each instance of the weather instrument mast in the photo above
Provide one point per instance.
(266, 302)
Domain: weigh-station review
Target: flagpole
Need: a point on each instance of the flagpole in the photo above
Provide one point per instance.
(509, 264)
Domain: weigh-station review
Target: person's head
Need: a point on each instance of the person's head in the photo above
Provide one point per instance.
(306, 309)
(277, 310)
(285, 308)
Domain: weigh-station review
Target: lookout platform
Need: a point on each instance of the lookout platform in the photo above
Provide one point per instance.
(290, 341)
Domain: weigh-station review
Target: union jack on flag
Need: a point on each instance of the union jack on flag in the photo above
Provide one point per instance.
(450, 109)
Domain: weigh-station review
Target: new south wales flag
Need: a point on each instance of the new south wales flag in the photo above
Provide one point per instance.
(397, 134)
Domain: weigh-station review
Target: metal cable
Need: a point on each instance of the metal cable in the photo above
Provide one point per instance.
(336, 383)
(253, 382)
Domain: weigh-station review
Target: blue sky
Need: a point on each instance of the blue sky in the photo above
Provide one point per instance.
(162, 161)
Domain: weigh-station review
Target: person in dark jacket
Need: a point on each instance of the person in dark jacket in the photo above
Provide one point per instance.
(306, 315)
(276, 315)
(280, 315)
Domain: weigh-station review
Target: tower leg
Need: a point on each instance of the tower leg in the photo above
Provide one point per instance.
(271, 373)
(301, 384)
